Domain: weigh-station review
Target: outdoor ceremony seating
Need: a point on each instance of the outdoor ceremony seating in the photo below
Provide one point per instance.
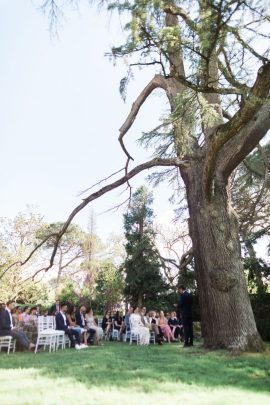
(48, 335)
(115, 332)
(134, 336)
(7, 342)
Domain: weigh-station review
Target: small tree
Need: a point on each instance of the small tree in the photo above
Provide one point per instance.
(109, 286)
(142, 265)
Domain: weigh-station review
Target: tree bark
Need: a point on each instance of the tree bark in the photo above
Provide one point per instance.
(226, 313)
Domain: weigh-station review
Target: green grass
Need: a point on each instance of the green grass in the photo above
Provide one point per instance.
(118, 373)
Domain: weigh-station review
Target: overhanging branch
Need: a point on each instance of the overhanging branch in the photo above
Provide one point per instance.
(132, 173)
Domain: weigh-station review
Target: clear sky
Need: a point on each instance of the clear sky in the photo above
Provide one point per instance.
(60, 113)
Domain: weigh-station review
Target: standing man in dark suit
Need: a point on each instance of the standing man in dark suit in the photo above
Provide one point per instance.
(7, 328)
(185, 307)
(62, 324)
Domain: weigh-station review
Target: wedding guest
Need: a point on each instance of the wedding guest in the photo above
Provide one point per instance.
(175, 325)
(33, 315)
(7, 328)
(62, 324)
(26, 314)
(71, 318)
(106, 324)
(91, 324)
(166, 330)
(151, 323)
(118, 323)
(81, 321)
(138, 327)
(127, 318)
(17, 315)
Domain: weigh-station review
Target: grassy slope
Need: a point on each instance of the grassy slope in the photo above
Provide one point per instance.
(118, 373)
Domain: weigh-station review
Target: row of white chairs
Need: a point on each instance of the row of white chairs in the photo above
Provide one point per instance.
(49, 336)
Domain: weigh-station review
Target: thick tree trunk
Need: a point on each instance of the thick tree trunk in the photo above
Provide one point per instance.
(226, 313)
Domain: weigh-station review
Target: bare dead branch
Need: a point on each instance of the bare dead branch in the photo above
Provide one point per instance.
(100, 181)
(158, 81)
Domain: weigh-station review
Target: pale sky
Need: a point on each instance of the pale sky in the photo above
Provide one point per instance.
(61, 111)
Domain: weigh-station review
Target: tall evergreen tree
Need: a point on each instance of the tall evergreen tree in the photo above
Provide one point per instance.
(144, 281)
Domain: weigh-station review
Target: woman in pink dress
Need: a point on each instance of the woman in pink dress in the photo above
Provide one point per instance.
(165, 328)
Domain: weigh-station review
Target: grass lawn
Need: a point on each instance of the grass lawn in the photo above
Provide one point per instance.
(118, 373)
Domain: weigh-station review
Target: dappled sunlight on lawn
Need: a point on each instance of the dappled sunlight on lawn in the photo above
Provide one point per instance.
(140, 375)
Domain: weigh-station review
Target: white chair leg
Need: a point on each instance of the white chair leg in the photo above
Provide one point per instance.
(37, 345)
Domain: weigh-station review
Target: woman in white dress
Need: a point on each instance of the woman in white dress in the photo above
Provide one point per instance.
(91, 324)
(137, 326)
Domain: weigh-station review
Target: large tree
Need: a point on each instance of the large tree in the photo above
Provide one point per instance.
(214, 70)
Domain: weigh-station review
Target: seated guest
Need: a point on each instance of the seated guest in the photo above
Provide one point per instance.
(33, 315)
(151, 323)
(80, 321)
(106, 323)
(127, 318)
(17, 315)
(71, 318)
(62, 324)
(138, 327)
(118, 323)
(26, 314)
(91, 325)
(7, 328)
(166, 330)
(175, 326)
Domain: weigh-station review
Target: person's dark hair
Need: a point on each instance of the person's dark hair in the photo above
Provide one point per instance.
(88, 309)
(63, 304)
(9, 302)
(182, 287)
(33, 309)
(26, 307)
(70, 309)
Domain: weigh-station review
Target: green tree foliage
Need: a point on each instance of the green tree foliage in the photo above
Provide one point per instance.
(17, 239)
(251, 200)
(109, 286)
(144, 282)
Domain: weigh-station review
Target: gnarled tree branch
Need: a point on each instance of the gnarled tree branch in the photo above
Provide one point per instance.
(158, 81)
(234, 128)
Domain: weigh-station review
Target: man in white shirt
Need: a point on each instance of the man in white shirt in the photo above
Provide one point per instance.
(62, 324)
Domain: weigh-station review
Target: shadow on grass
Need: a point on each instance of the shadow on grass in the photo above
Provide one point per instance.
(124, 366)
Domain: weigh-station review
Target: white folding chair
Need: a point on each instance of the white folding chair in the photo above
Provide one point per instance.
(61, 338)
(115, 332)
(152, 337)
(8, 342)
(134, 336)
(47, 336)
